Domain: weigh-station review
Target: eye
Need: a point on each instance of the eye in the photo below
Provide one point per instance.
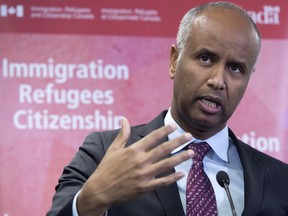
(205, 59)
(235, 69)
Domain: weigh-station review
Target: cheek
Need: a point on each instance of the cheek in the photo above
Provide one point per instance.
(183, 88)
(236, 94)
(188, 77)
(186, 73)
(185, 83)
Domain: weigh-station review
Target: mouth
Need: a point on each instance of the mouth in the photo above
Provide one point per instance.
(210, 104)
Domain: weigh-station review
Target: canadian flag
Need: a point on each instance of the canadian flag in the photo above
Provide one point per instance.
(5, 10)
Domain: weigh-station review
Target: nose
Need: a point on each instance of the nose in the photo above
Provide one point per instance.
(217, 78)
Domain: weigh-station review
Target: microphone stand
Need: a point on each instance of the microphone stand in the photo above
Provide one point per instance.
(230, 199)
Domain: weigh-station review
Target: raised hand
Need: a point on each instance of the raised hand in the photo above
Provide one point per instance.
(127, 172)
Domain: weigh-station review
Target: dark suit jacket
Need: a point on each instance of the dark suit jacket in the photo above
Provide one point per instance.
(266, 180)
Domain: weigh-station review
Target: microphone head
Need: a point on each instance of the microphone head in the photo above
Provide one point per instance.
(222, 178)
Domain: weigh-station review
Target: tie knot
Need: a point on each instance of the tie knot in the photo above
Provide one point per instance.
(200, 150)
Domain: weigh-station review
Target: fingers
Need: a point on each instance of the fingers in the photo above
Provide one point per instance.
(145, 151)
(123, 135)
(166, 148)
(160, 163)
(170, 162)
(164, 181)
(152, 139)
(162, 166)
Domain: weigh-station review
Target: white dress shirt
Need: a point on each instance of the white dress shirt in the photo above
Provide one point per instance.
(222, 156)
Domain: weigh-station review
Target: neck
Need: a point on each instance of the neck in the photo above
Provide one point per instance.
(198, 130)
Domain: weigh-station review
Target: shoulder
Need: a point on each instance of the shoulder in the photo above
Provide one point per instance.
(267, 162)
(274, 171)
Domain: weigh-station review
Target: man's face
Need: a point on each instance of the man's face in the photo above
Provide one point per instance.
(212, 71)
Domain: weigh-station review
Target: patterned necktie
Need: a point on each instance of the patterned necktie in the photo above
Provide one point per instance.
(200, 197)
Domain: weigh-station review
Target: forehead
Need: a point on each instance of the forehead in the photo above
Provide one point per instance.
(224, 30)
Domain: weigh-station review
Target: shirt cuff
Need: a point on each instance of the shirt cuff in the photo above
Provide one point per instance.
(74, 206)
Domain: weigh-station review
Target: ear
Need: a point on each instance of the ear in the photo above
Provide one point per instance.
(173, 61)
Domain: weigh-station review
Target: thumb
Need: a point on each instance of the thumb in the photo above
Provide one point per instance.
(123, 135)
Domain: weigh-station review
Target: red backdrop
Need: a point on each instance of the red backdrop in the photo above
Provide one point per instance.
(71, 67)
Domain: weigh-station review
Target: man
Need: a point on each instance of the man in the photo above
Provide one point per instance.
(130, 172)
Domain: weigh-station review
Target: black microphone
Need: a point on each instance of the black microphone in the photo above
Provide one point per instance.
(223, 180)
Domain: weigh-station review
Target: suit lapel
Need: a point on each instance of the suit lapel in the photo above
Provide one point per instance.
(168, 196)
(170, 199)
(253, 176)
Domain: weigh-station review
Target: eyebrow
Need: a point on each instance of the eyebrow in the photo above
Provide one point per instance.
(206, 51)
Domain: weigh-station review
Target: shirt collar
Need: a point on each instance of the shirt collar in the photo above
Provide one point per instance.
(219, 142)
